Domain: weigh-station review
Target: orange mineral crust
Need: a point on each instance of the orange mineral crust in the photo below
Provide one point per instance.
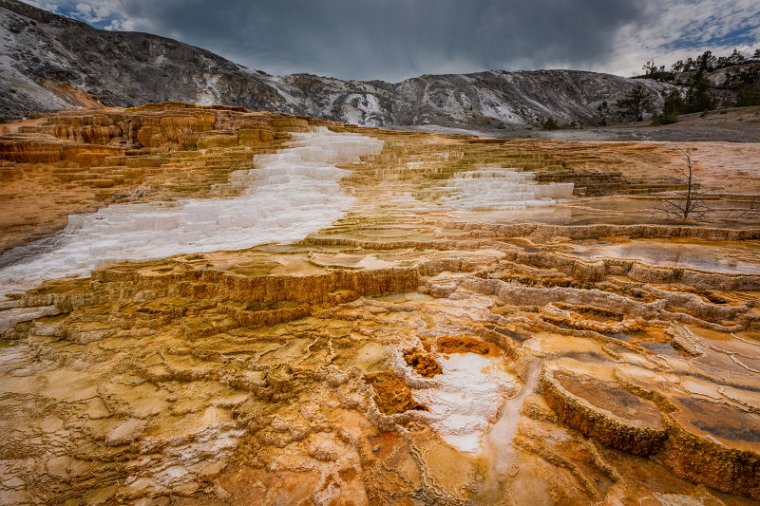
(483, 322)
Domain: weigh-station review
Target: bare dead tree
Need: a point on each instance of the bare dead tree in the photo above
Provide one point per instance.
(692, 202)
(752, 210)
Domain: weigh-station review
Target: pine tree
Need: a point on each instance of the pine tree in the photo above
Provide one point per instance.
(698, 98)
(672, 103)
(635, 103)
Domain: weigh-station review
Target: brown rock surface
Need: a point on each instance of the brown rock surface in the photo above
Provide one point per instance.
(423, 363)
(276, 374)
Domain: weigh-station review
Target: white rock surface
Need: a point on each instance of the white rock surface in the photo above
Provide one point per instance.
(464, 399)
(504, 188)
(290, 194)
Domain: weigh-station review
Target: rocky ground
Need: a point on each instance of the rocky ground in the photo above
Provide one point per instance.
(739, 124)
(490, 322)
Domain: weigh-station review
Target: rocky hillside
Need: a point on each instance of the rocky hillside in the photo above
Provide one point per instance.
(735, 85)
(51, 63)
(493, 99)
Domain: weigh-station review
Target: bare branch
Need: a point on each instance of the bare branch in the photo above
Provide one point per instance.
(752, 209)
(693, 203)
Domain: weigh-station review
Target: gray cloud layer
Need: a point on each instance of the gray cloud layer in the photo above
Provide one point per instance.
(391, 39)
(401, 38)
(395, 39)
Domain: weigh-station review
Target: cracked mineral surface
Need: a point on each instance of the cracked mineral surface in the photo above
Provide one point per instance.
(264, 309)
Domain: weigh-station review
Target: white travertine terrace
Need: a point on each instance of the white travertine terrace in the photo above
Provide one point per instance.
(415, 348)
(290, 194)
(727, 258)
(504, 188)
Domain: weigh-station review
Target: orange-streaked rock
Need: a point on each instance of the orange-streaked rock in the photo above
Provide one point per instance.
(274, 373)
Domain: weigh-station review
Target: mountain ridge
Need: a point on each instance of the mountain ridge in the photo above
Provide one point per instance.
(51, 63)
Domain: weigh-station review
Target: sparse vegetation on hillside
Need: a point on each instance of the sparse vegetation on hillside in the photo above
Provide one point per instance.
(706, 61)
(708, 82)
(635, 103)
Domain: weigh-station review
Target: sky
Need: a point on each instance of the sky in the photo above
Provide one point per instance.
(393, 40)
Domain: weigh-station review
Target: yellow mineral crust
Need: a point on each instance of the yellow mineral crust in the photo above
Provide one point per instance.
(422, 349)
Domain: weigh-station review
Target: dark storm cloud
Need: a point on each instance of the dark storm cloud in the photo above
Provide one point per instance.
(390, 39)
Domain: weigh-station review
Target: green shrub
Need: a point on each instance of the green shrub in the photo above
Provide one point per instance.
(550, 124)
(664, 119)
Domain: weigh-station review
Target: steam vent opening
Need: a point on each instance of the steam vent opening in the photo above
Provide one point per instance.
(220, 286)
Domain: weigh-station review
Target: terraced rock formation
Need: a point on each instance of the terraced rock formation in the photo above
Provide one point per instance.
(73, 162)
(433, 344)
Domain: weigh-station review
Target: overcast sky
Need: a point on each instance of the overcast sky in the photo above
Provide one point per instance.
(396, 39)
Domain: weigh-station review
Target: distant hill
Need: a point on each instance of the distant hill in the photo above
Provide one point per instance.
(710, 82)
(50, 62)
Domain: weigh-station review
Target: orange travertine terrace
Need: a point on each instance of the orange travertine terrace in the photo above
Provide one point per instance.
(487, 322)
